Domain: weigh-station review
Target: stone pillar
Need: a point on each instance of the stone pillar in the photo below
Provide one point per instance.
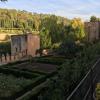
(0, 59)
(3, 59)
(12, 58)
(16, 57)
(8, 58)
(20, 55)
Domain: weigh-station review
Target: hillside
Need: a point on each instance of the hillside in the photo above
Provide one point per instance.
(52, 29)
(11, 18)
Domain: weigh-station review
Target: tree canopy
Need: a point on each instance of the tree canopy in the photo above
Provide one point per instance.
(94, 19)
(53, 29)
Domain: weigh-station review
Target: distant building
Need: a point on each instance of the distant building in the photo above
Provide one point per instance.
(28, 43)
(92, 30)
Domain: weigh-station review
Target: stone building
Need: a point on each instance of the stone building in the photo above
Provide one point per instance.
(25, 43)
(92, 30)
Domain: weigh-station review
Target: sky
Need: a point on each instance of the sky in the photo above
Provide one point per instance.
(66, 8)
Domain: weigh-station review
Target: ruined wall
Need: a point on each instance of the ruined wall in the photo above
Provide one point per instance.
(92, 30)
(33, 44)
(29, 43)
(18, 43)
(23, 39)
(4, 59)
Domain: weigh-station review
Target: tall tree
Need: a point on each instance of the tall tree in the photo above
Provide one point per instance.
(78, 28)
(93, 19)
(45, 38)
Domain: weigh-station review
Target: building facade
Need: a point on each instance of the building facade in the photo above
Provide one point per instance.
(25, 43)
(92, 30)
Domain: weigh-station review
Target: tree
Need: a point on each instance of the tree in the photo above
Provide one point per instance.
(45, 38)
(77, 28)
(93, 19)
(3, 0)
(19, 21)
(68, 47)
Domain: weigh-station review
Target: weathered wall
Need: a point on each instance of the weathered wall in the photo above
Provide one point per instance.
(28, 42)
(18, 43)
(4, 59)
(33, 44)
(92, 30)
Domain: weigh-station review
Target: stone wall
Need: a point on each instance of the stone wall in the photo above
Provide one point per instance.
(28, 42)
(92, 30)
(33, 44)
(18, 43)
(4, 59)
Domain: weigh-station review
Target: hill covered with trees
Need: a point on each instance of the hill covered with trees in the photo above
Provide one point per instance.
(23, 19)
(53, 29)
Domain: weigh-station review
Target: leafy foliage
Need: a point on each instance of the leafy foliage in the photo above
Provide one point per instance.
(94, 19)
(5, 47)
(72, 71)
(53, 29)
(10, 84)
(45, 39)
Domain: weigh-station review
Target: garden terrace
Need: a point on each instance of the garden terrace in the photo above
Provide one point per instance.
(11, 86)
(56, 60)
(37, 73)
(41, 65)
(34, 67)
(15, 83)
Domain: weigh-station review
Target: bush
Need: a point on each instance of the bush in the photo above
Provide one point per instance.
(69, 48)
(71, 72)
(5, 47)
(50, 60)
(10, 85)
(18, 73)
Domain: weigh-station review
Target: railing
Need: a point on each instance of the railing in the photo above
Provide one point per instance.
(85, 89)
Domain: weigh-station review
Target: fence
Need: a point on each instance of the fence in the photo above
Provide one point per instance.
(11, 58)
(85, 89)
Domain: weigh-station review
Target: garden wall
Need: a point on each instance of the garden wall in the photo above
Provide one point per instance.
(12, 58)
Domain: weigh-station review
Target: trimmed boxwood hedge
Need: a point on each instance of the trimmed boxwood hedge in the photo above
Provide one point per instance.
(50, 60)
(25, 89)
(15, 63)
(27, 70)
(18, 73)
(35, 93)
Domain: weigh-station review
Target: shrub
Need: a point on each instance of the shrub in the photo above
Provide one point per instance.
(70, 74)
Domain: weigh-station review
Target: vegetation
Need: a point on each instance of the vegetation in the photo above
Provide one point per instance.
(71, 72)
(59, 34)
(37, 77)
(3, 0)
(56, 60)
(97, 91)
(9, 85)
(94, 19)
(5, 47)
(53, 29)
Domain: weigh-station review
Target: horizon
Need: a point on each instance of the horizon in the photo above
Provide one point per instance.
(68, 9)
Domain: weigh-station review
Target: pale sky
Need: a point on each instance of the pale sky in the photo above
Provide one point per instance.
(66, 8)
